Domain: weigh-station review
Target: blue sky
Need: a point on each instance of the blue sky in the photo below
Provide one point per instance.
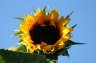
(84, 15)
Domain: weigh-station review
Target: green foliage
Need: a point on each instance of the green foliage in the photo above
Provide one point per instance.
(44, 9)
(68, 44)
(33, 9)
(21, 19)
(74, 26)
(64, 52)
(69, 15)
(1, 59)
(22, 48)
(52, 55)
(20, 57)
(18, 33)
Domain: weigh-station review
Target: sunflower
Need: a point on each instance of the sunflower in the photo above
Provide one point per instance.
(44, 31)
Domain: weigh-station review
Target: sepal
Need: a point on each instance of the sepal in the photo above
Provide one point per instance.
(21, 19)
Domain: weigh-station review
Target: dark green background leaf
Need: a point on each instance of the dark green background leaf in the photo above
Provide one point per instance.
(19, 57)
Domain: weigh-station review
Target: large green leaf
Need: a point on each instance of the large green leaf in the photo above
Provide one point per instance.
(49, 55)
(19, 57)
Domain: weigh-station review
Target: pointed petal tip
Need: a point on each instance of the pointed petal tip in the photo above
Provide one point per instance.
(74, 26)
(76, 43)
(44, 9)
(69, 15)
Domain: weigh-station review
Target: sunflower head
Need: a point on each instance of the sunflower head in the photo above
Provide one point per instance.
(44, 31)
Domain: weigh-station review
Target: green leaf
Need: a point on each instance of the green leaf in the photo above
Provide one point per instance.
(73, 43)
(22, 48)
(20, 57)
(65, 52)
(1, 59)
(74, 26)
(21, 19)
(54, 55)
(69, 43)
(62, 52)
(69, 15)
(20, 41)
(18, 33)
(33, 9)
(44, 9)
(51, 56)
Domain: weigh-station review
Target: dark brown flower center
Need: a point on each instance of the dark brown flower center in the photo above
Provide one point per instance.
(48, 34)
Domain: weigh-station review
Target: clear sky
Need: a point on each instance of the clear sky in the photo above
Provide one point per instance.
(84, 15)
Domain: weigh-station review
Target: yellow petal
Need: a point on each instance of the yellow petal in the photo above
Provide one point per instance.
(37, 13)
(28, 17)
(54, 15)
(66, 30)
(59, 44)
(65, 38)
(66, 21)
(38, 47)
(48, 47)
(63, 21)
(40, 17)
